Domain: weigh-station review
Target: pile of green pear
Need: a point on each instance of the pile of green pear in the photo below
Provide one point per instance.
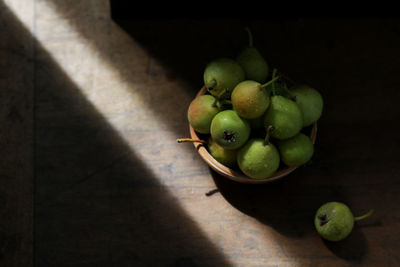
(252, 117)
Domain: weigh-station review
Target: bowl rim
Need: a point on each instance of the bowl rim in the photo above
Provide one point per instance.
(231, 173)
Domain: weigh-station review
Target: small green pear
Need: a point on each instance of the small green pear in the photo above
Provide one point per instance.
(334, 221)
(252, 62)
(224, 156)
(222, 74)
(309, 101)
(258, 158)
(229, 130)
(250, 99)
(201, 111)
(296, 150)
(286, 117)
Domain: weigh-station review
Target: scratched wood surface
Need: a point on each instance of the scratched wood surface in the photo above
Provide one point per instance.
(112, 186)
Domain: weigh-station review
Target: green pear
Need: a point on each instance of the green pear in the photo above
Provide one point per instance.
(334, 221)
(286, 117)
(250, 99)
(296, 150)
(253, 63)
(201, 111)
(229, 130)
(224, 156)
(222, 74)
(309, 101)
(258, 158)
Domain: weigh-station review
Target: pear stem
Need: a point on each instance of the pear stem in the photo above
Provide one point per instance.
(274, 79)
(190, 140)
(268, 135)
(369, 213)
(226, 102)
(218, 97)
(226, 90)
(250, 37)
(214, 104)
(211, 84)
(293, 97)
(274, 72)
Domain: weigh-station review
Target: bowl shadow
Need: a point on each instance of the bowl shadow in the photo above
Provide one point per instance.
(289, 205)
(281, 204)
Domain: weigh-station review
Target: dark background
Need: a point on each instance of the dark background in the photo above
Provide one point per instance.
(351, 58)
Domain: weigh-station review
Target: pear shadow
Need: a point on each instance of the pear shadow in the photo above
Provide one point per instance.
(352, 249)
(280, 204)
(288, 204)
(173, 43)
(289, 207)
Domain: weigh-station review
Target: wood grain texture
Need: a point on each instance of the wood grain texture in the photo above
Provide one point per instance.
(16, 137)
(353, 63)
(113, 188)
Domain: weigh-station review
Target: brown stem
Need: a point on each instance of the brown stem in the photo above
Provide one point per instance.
(226, 90)
(212, 192)
(185, 140)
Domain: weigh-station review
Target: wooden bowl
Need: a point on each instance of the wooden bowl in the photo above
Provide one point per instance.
(237, 175)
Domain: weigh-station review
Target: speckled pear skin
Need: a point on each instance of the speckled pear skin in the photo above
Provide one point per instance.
(200, 113)
(285, 115)
(253, 64)
(257, 160)
(296, 151)
(224, 156)
(249, 100)
(334, 221)
(310, 102)
(229, 130)
(226, 72)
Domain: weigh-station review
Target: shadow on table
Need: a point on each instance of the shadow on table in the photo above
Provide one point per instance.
(289, 206)
(96, 201)
(352, 249)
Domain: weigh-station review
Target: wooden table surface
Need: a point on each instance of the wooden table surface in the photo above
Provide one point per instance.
(92, 174)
